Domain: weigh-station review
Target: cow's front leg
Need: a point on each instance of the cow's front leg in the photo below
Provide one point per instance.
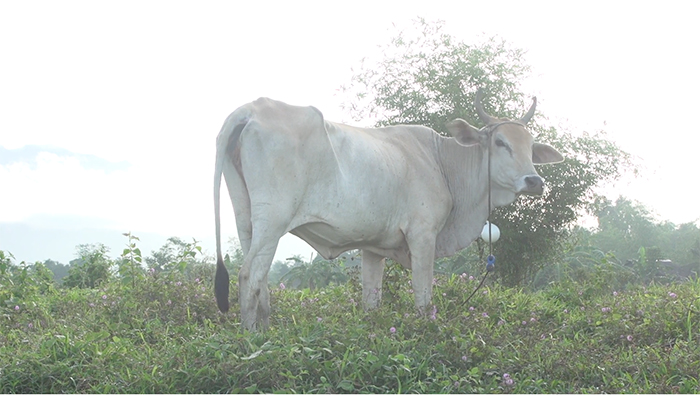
(372, 274)
(422, 255)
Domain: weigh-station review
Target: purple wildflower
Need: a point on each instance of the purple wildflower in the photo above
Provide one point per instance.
(392, 330)
(464, 358)
(16, 308)
(104, 297)
(433, 313)
(606, 309)
(673, 295)
(282, 286)
(507, 380)
(630, 338)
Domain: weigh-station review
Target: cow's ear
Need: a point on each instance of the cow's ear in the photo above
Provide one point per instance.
(463, 132)
(543, 153)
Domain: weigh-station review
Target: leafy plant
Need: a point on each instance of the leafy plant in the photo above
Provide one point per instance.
(130, 268)
(314, 273)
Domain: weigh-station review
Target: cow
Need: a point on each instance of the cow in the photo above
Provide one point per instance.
(402, 192)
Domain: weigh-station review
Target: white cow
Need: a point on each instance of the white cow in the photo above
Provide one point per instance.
(402, 192)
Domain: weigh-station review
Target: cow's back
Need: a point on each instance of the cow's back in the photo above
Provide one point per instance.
(336, 185)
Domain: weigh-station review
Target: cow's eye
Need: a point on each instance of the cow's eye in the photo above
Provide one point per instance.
(500, 143)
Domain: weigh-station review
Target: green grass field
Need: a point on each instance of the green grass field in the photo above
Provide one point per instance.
(162, 333)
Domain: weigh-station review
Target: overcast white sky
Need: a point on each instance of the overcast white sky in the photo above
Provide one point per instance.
(150, 84)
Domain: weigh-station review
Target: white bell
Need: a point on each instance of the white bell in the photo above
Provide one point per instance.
(495, 233)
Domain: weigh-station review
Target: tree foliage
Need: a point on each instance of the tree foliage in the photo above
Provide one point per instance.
(657, 250)
(91, 268)
(429, 77)
(58, 269)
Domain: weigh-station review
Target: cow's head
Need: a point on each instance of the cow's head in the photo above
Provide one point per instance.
(513, 152)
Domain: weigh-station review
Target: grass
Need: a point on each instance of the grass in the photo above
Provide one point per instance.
(162, 333)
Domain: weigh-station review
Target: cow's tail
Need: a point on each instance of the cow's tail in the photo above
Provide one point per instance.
(229, 134)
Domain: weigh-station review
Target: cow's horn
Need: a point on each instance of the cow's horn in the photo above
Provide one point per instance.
(485, 118)
(526, 118)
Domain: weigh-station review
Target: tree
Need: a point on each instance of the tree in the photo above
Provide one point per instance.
(428, 77)
(623, 227)
(91, 268)
(629, 230)
(177, 255)
(59, 269)
(278, 270)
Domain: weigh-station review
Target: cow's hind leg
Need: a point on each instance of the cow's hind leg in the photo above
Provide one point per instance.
(253, 294)
(372, 274)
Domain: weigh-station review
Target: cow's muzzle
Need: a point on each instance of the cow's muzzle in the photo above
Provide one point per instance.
(533, 185)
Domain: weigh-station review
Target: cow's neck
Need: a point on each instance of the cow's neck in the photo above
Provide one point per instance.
(465, 171)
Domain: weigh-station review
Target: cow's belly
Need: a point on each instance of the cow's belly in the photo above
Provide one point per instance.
(331, 241)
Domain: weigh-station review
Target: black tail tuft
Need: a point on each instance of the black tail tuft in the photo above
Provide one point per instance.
(221, 283)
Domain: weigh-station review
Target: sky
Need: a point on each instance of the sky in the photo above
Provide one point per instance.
(109, 111)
